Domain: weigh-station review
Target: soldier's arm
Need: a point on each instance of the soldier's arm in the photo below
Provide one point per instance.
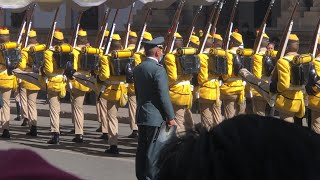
(283, 75)
(161, 82)
(76, 59)
(230, 66)
(171, 67)
(257, 66)
(137, 58)
(104, 68)
(24, 59)
(48, 64)
(203, 74)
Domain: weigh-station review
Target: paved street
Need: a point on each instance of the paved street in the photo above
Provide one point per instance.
(87, 160)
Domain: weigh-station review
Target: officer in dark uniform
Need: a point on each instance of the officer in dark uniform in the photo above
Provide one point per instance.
(153, 101)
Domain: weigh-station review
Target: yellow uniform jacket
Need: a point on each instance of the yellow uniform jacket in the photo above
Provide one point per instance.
(289, 98)
(115, 86)
(232, 84)
(314, 100)
(179, 85)
(26, 65)
(76, 64)
(209, 83)
(257, 69)
(56, 81)
(7, 81)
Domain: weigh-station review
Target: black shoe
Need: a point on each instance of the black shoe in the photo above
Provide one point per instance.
(99, 129)
(54, 138)
(72, 131)
(33, 131)
(18, 118)
(134, 134)
(78, 138)
(6, 134)
(112, 150)
(25, 122)
(104, 136)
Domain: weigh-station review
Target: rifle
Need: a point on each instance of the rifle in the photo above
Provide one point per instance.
(173, 29)
(107, 47)
(257, 42)
(142, 30)
(103, 28)
(287, 32)
(128, 26)
(29, 22)
(315, 39)
(225, 45)
(23, 25)
(53, 28)
(195, 19)
(214, 12)
(76, 31)
(284, 41)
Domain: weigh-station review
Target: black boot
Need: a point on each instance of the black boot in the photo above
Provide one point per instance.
(72, 131)
(78, 138)
(25, 122)
(5, 134)
(18, 118)
(104, 136)
(54, 138)
(134, 134)
(99, 129)
(112, 150)
(33, 131)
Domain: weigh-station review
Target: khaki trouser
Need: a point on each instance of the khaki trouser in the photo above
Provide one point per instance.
(77, 110)
(259, 105)
(5, 110)
(112, 110)
(132, 107)
(231, 106)
(315, 121)
(210, 113)
(286, 116)
(17, 95)
(102, 114)
(183, 118)
(54, 106)
(29, 105)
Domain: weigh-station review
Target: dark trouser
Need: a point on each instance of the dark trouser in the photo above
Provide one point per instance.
(146, 134)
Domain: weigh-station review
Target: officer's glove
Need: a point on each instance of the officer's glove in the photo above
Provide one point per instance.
(273, 87)
(129, 73)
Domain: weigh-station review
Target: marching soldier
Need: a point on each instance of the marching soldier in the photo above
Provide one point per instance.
(232, 90)
(314, 94)
(115, 93)
(78, 90)
(289, 100)
(101, 114)
(132, 40)
(8, 82)
(180, 88)
(29, 91)
(56, 84)
(139, 57)
(259, 104)
(194, 41)
(210, 103)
